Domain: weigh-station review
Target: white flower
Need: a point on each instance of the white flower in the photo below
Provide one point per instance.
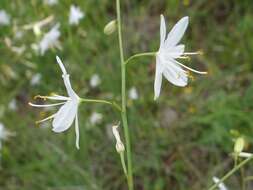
(96, 118)
(13, 105)
(221, 185)
(95, 80)
(35, 80)
(4, 18)
(133, 94)
(75, 15)
(169, 51)
(119, 145)
(4, 134)
(50, 39)
(50, 2)
(68, 112)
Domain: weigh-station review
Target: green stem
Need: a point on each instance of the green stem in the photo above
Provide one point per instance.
(140, 55)
(230, 173)
(113, 104)
(122, 158)
(123, 108)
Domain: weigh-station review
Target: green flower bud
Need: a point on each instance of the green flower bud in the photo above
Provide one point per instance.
(110, 27)
(239, 145)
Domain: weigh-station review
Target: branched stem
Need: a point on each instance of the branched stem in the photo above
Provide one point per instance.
(113, 104)
(123, 106)
(231, 172)
(140, 55)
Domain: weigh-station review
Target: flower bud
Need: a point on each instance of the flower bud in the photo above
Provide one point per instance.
(110, 27)
(119, 145)
(239, 145)
(36, 30)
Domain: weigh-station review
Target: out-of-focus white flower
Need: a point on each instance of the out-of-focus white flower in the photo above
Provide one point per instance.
(133, 94)
(4, 18)
(96, 118)
(35, 80)
(13, 105)
(18, 34)
(18, 50)
(36, 26)
(169, 51)
(221, 185)
(119, 145)
(95, 80)
(50, 39)
(68, 112)
(75, 15)
(4, 134)
(50, 2)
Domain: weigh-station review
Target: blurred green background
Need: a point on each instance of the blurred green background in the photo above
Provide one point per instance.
(179, 142)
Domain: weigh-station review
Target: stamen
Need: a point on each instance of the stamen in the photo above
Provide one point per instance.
(185, 57)
(194, 53)
(47, 118)
(45, 105)
(53, 97)
(190, 69)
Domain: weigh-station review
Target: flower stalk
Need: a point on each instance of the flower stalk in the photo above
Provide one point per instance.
(123, 106)
(231, 172)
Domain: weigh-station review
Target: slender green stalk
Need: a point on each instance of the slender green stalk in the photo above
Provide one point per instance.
(122, 159)
(115, 105)
(123, 107)
(243, 184)
(140, 55)
(231, 172)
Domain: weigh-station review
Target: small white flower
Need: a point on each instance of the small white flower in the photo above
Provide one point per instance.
(221, 185)
(50, 2)
(19, 34)
(50, 39)
(96, 118)
(169, 51)
(75, 15)
(35, 80)
(13, 105)
(68, 112)
(4, 134)
(95, 80)
(133, 94)
(4, 18)
(119, 145)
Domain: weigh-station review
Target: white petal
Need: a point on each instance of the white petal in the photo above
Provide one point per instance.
(65, 116)
(173, 52)
(158, 78)
(162, 30)
(61, 65)
(175, 74)
(177, 32)
(70, 91)
(77, 131)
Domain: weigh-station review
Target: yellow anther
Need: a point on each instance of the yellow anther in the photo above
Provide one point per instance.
(190, 75)
(40, 97)
(200, 52)
(185, 57)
